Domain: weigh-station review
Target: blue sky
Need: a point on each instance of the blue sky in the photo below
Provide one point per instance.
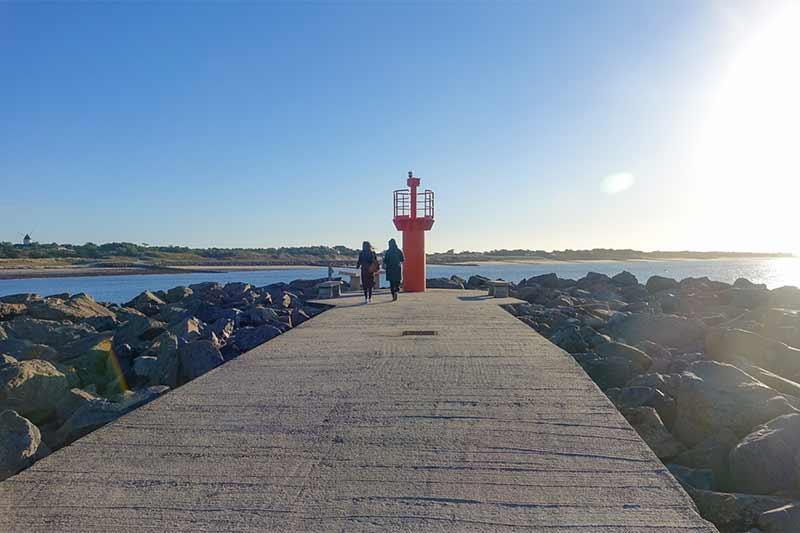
(267, 124)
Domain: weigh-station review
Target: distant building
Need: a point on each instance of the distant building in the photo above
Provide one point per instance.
(27, 240)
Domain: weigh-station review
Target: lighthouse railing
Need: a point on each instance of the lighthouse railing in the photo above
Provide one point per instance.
(402, 204)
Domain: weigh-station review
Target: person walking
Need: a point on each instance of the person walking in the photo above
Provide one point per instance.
(392, 261)
(368, 262)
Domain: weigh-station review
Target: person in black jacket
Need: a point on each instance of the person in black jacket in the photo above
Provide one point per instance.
(392, 262)
(368, 262)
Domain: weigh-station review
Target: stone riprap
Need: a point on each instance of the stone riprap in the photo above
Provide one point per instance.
(69, 364)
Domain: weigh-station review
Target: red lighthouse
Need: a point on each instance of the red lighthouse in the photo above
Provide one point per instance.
(413, 215)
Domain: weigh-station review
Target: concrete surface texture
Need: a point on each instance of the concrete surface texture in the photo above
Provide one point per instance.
(348, 424)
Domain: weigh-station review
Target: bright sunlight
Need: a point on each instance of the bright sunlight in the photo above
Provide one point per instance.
(748, 158)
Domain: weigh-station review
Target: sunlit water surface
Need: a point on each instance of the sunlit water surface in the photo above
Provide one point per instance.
(773, 272)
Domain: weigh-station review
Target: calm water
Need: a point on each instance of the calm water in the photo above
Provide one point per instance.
(773, 272)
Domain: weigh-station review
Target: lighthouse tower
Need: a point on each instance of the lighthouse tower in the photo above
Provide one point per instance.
(413, 215)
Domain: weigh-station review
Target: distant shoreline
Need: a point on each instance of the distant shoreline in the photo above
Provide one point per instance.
(88, 271)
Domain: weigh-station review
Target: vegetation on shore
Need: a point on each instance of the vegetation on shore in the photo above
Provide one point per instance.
(595, 254)
(125, 254)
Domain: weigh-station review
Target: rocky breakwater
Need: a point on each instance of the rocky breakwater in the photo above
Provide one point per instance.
(69, 364)
(707, 372)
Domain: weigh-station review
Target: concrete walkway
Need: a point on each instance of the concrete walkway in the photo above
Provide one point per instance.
(347, 424)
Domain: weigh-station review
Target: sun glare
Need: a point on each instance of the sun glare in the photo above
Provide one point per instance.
(748, 157)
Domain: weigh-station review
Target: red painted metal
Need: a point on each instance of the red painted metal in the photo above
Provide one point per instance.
(413, 215)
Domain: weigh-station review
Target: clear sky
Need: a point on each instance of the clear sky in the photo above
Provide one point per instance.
(544, 125)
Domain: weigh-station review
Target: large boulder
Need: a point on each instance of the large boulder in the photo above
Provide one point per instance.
(188, 330)
(73, 400)
(660, 283)
(670, 331)
(75, 309)
(768, 459)
(96, 413)
(732, 512)
(138, 331)
(166, 349)
(711, 453)
(607, 372)
(713, 397)
(147, 303)
(248, 338)
(48, 332)
(728, 345)
(176, 294)
(197, 358)
(21, 298)
(649, 426)
(641, 360)
(33, 388)
(19, 442)
(788, 297)
(24, 349)
(624, 279)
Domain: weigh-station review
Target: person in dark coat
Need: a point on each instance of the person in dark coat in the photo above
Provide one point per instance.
(392, 262)
(368, 262)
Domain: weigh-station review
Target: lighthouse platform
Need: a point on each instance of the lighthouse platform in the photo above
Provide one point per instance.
(439, 412)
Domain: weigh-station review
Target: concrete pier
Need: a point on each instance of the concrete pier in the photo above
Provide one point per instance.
(439, 412)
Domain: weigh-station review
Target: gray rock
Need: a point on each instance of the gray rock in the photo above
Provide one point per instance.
(698, 478)
(19, 442)
(176, 294)
(48, 332)
(731, 511)
(670, 331)
(648, 397)
(248, 338)
(197, 358)
(728, 345)
(607, 372)
(147, 303)
(24, 349)
(97, 413)
(624, 279)
(788, 297)
(569, 338)
(714, 396)
(146, 368)
(640, 360)
(711, 453)
(72, 401)
(76, 309)
(659, 283)
(648, 425)
(166, 352)
(767, 460)
(258, 315)
(21, 298)
(172, 313)
(33, 388)
(188, 330)
(138, 331)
